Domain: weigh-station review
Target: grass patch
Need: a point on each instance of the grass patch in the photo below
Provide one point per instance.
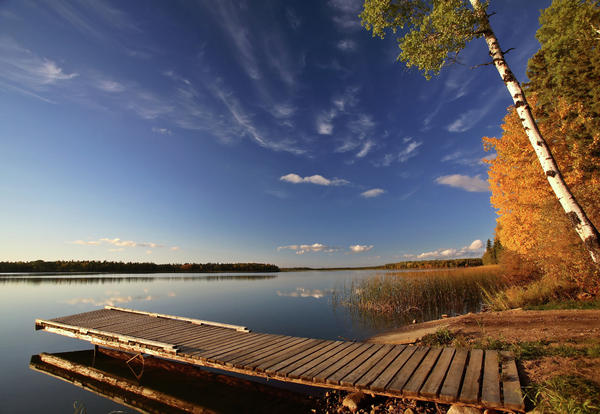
(422, 295)
(540, 293)
(441, 337)
(566, 304)
(566, 394)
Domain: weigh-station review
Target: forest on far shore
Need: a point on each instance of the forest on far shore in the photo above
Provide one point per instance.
(92, 266)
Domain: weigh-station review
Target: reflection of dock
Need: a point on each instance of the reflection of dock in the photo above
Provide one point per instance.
(477, 378)
(167, 387)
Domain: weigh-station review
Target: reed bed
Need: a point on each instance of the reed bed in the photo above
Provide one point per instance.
(421, 295)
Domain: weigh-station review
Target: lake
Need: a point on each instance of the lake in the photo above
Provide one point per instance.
(289, 303)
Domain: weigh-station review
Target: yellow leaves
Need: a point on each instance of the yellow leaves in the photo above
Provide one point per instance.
(530, 220)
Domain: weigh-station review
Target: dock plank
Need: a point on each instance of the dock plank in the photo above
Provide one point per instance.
(377, 369)
(325, 362)
(418, 378)
(513, 398)
(352, 365)
(472, 381)
(249, 358)
(340, 364)
(490, 388)
(433, 384)
(291, 363)
(352, 377)
(284, 355)
(403, 376)
(381, 382)
(308, 362)
(454, 378)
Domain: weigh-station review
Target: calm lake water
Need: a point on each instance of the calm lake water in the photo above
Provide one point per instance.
(295, 303)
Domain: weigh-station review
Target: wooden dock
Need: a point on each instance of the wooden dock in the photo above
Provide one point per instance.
(476, 378)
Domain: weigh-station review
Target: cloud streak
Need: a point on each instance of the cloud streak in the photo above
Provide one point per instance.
(313, 179)
(475, 249)
(120, 244)
(374, 192)
(464, 182)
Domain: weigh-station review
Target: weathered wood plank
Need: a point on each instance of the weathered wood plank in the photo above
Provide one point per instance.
(207, 344)
(378, 368)
(513, 398)
(198, 336)
(210, 351)
(218, 352)
(381, 382)
(248, 358)
(324, 374)
(472, 382)
(433, 384)
(454, 377)
(254, 343)
(416, 381)
(402, 377)
(490, 388)
(309, 361)
(299, 359)
(351, 378)
(307, 372)
(352, 365)
(285, 355)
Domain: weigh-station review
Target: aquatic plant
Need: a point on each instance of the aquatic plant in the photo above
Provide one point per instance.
(420, 295)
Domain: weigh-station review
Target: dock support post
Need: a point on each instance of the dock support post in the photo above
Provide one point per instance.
(140, 356)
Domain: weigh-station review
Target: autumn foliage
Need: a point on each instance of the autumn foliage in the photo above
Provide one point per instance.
(563, 90)
(531, 222)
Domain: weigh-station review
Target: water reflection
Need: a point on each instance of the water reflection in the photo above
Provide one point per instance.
(91, 279)
(306, 293)
(165, 387)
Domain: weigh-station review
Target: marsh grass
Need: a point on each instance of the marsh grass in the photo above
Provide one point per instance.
(421, 295)
(566, 394)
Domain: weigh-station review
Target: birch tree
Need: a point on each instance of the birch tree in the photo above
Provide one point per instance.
(433, 32)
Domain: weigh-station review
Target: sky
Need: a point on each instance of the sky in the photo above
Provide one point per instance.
(238, 131)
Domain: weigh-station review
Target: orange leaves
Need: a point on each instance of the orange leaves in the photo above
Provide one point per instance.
(530, 219)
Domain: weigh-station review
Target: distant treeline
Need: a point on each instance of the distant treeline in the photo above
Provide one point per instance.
(415, 264)
(434, 264)
(92, 266)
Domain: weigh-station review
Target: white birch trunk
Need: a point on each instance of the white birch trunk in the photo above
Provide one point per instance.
(583, 226)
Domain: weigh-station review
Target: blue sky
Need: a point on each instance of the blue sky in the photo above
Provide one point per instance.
(270, 131)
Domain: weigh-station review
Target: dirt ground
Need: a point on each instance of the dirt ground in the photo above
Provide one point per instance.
(573, 328)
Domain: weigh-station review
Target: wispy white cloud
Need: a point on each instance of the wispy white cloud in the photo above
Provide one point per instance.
(346, 14)
(372, 193)
(227, 15)
(357, 248)
(110, 86)
(410, 150)
(346, 45)
(324, 122)
(120, 244)
(475, 249)
(465, 182)
(162, 131)
(309, 248)
(365, 149)
(292, 18)
(26, 72)
(467, 158)
(313, 179)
